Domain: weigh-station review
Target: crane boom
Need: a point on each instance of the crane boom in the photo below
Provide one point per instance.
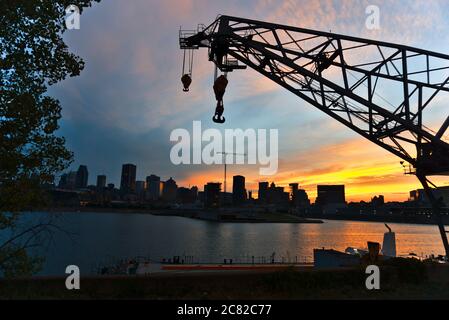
(343, 76)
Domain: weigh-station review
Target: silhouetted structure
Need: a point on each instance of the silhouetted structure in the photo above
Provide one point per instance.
(82, 177)
(140, 189)
(71, 180)
(186, 195)
(395, 126)
(169, 190)
(263, 191)
(378, 201)
(420, 196)
(128, 180)
(330, 194)
(238, 190)
(194, 190)
(101, 182)
(276, 195)
(212, 195)
(153, 187)
(298, 196)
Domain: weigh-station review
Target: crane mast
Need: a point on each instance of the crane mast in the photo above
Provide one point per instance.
(347, 78)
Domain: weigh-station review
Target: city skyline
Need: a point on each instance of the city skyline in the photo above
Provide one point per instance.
(95, 179)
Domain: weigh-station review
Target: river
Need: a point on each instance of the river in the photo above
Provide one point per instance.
(91, 239)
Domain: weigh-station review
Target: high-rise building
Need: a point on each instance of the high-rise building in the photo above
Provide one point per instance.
(82, 177)
(212, 195)
(238, 190)
(298, 196)
(276, 195)
(140, 188)
(263, 191)
(185, 195)
(71, 180)
(153, 191)
(330, 194)
(101, 181)
(294, 187)
(128, 180)
(169, 191)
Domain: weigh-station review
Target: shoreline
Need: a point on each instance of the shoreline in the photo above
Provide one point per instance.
(201, 214)
(197, 214)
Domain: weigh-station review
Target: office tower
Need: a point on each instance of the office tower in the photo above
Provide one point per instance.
(101, 181)
(71, 180)
(263, 190)
(238, 190)
(330, 194)
(140, 188)
(82, 177)
(186, 195)
(212, 195)
(170, 190)
(298, 197)
(153, 187)
(294, 187)
(276, 195)
(128, 180)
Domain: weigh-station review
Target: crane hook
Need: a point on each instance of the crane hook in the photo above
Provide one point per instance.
(220, 84)
(218, 116)
(186, 81)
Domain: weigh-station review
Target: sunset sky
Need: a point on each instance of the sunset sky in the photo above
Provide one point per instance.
(128, 99)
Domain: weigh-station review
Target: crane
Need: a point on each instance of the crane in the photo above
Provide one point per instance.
(225, 164)
(343, 76)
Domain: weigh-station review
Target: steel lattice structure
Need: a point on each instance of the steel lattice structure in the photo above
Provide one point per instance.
(342, 76)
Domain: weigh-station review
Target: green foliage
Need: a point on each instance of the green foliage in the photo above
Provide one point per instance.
(17, 262)
(33, 56)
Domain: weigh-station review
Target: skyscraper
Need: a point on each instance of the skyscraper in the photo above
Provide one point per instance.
(212, 195)
(101, 181)
(330, 194)
(128, 180)
(71, 180)
(299, 197)
(140, 188)
(263, 191)
(238, 190)
(153, 187)
(82, 177)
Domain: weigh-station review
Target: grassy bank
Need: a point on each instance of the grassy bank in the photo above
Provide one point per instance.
(398, 281)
